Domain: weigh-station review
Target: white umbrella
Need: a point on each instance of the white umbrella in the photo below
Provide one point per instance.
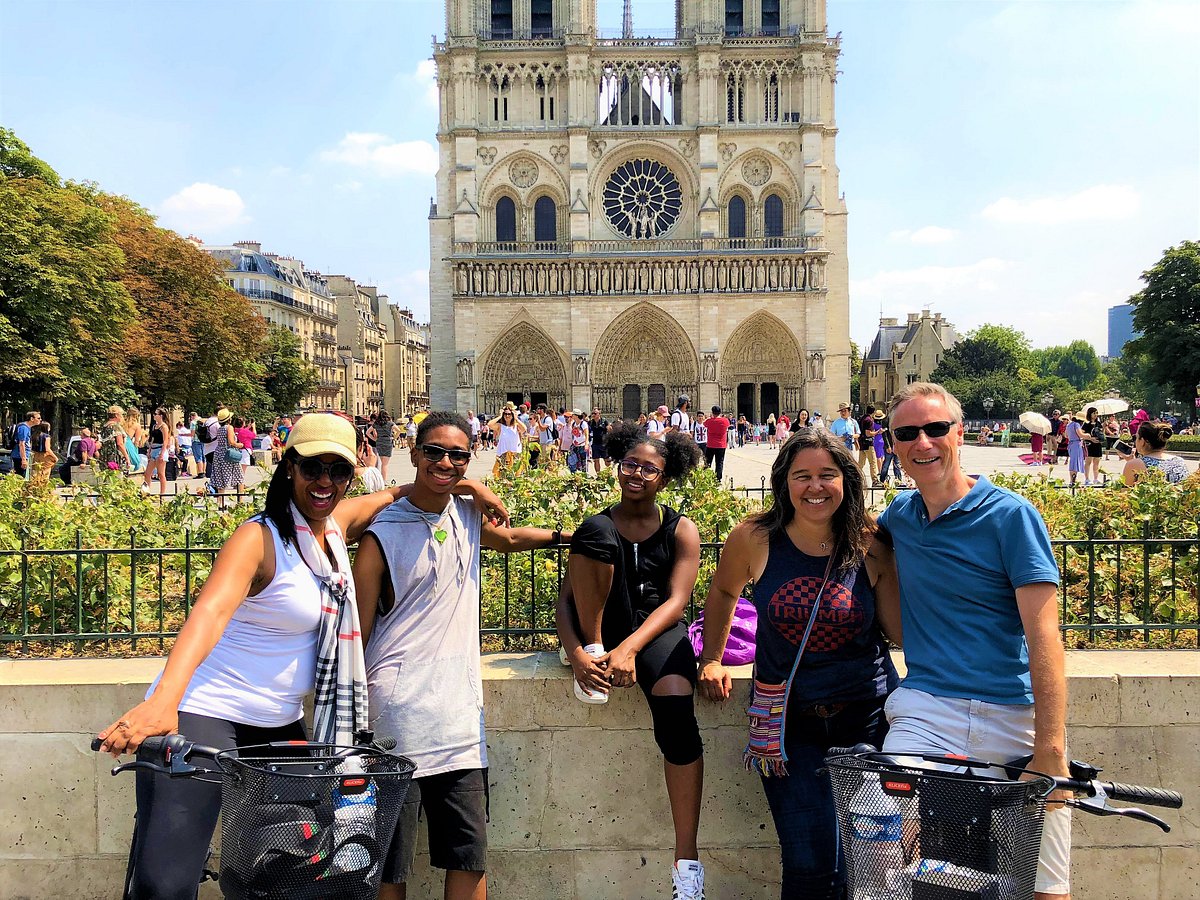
(1105, 406)
(1035, 423)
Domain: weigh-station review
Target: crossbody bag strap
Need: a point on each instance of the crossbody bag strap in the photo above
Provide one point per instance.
(812, 619)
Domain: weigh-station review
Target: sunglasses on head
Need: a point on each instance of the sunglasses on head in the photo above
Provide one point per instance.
(312, 469)
(932, 429)
(434, 453)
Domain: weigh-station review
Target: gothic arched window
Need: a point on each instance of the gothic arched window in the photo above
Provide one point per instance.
(506, 220)
(545, 220)
(737, 217)
(773, 217)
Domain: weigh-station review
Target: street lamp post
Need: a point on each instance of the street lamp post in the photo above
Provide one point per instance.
(1048, 401)
(988, 403)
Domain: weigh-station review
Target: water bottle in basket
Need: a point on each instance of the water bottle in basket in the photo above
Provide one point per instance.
(876, 830)
(354, 803)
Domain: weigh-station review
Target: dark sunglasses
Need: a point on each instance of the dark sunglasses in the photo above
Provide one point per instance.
(339, 471)
(908, 433)
(434, 453)
(649, 472)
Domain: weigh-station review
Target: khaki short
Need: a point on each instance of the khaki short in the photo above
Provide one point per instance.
(923, 723)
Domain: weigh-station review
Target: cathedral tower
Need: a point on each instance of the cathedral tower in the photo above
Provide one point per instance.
(620, 220)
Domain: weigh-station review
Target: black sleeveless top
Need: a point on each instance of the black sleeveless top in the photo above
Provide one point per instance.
(846, 657)
(641, 572)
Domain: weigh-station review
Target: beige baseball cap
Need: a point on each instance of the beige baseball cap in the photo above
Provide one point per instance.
(318, 433)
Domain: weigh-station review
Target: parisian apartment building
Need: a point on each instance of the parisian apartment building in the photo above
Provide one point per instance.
(341, 326)
(903, 353)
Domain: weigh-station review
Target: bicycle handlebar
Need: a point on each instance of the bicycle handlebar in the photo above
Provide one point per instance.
(1136, 793)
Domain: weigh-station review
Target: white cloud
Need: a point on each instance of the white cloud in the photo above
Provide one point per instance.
(1102, 202)
(930, 234)
(383, 156)
(203, 207)
(978, 276)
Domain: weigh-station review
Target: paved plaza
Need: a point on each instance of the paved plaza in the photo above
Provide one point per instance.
(749, 466)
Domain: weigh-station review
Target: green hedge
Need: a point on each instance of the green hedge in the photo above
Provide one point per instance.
(1185, 443)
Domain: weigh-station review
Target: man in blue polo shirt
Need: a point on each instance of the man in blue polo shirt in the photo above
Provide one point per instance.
(979, 610)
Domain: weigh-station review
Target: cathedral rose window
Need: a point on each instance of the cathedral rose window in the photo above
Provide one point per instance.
(642, 199)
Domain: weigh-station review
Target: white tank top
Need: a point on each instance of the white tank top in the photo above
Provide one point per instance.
(266, 661)
(510, 440)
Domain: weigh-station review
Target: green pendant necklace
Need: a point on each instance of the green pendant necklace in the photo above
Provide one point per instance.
(440, 535)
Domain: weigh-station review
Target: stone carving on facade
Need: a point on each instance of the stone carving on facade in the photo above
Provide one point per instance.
(559, 153)
(816, 366)
(756, 170)
(787, 148)
(727, 151)
(687, 148)
(580, 363)
(761, 349)
(466, 371)
(487, 154)
(523, 360)
(708, 367)
(596, 148)
(523, 173)
(657, 275)
(793, 399)
(645, 346)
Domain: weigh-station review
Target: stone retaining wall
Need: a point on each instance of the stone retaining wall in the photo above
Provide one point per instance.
(577, 798)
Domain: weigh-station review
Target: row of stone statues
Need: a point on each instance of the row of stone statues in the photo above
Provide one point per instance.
(653, 276)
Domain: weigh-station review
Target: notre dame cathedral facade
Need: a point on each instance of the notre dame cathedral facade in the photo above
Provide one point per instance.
(620, 220)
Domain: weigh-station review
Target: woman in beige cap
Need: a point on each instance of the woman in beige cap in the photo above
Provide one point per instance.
(248, 653)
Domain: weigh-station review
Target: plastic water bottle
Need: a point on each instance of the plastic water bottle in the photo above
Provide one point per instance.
(876, 833)
(354, 800)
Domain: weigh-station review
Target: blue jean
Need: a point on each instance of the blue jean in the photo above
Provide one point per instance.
(890, 459)
(802, 801)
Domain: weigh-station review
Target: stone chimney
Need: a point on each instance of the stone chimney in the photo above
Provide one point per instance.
(883, 322)
(252, 246)
(914, 318)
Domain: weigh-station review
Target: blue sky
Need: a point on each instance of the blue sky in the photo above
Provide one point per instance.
(1013, 162)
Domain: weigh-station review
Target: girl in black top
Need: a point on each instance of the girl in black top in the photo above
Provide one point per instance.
(161, 440)
(632, 571)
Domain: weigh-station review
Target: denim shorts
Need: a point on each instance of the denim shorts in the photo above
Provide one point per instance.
(922, 722)
(156, 452)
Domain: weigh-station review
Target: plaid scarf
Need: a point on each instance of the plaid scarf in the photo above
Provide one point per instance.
(340, 705)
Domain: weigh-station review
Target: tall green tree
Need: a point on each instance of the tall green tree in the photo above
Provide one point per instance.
(855, 370)
(987, 350)
(1076, 362)
(63, 310)
(192, 330)
(1167, 313)
(289, 376)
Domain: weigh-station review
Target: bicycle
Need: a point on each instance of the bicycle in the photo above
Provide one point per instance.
(917, 826)
(300, 820)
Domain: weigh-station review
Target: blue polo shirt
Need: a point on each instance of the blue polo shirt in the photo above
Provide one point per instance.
(963, 635)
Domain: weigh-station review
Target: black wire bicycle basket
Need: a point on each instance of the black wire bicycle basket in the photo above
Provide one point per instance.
(911, 828)
(307, 820)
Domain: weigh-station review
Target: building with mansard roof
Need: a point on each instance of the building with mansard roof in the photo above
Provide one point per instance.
(622, 218)
(902, 354)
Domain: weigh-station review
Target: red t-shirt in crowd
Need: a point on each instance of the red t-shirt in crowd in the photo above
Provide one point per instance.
(718, 432)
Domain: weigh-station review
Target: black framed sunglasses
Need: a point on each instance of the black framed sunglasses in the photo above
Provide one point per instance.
(630, 466)
(434, 453)
(312, 469)
(908, 433)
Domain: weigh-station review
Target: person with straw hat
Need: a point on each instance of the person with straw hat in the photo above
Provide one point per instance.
(276, 617)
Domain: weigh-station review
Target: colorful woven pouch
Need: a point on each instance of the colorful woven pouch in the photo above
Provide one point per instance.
(764, 753)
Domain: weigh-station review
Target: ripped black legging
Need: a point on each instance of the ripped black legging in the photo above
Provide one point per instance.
(176, 816)
(675, 728)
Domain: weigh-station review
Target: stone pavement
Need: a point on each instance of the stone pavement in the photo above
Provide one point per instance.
(749, 465)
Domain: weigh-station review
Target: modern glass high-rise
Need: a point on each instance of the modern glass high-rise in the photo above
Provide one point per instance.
(1120, 328)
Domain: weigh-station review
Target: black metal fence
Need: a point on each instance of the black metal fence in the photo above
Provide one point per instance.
(133, 599)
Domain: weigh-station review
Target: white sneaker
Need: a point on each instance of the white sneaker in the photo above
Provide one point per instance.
(687, 880)
(562, 656)
(589, 696)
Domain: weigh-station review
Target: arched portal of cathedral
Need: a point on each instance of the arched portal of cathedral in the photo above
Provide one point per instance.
(761, 369)
(643, 359)
(522, 363)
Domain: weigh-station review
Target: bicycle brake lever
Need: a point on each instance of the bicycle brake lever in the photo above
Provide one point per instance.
(175, 770)
(1097, 807)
